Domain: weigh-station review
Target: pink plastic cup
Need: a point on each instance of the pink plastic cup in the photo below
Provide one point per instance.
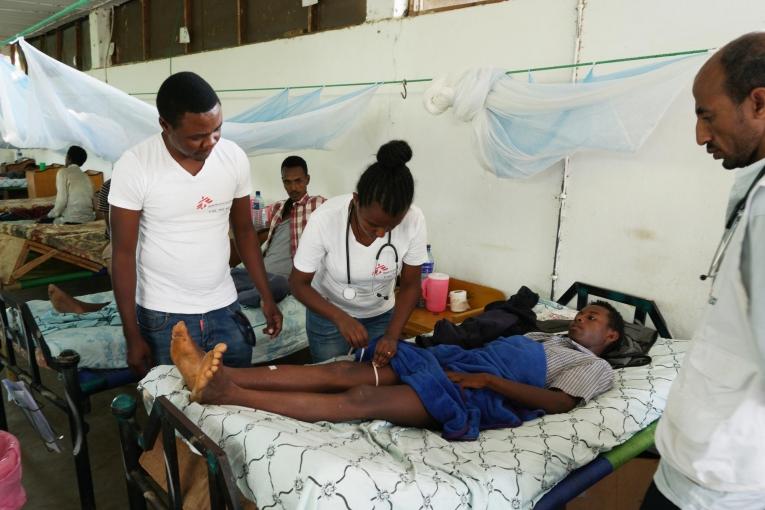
(435, 288)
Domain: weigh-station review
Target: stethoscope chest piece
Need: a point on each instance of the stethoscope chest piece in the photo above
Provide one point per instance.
(349, 293)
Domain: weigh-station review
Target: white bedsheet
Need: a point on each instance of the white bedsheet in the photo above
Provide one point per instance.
(279, 462)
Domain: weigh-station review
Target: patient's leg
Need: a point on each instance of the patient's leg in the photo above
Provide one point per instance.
(329, 377)
(324, 378)
(64, 303)
(398, 404)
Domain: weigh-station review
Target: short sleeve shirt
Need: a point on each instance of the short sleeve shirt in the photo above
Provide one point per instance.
(572, 368)
(373, 268)
(183, 244)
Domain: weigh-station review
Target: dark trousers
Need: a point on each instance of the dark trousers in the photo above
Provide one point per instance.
(655, 500)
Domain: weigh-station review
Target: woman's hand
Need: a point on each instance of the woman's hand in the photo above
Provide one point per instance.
(385, 350)
(471, 381)
(353, 331)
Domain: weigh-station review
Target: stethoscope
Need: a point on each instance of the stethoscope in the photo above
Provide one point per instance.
(349, 292)
(730, 228)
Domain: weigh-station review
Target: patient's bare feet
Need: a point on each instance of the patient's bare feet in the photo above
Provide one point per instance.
(64, 303)
(212, 383)
(185, 353)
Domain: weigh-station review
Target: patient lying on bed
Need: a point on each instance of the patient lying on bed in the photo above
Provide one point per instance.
(460, 391)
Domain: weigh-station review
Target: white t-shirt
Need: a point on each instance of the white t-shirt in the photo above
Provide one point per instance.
(183, 245)
(322, 251)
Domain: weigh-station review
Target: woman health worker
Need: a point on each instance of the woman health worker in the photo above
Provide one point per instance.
(350, 254)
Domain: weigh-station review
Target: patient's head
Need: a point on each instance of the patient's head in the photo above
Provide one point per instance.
(598, 326)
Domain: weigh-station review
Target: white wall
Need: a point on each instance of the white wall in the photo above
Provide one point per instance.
(644, 223)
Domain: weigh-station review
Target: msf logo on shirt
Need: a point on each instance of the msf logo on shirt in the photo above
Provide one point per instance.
(204, 202)
(380, 269)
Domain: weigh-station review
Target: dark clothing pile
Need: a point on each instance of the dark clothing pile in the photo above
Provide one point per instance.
(499, 319)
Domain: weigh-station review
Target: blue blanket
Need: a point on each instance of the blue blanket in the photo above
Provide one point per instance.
(463, 413)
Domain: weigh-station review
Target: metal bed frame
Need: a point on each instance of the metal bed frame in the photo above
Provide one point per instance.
(18, 351)
(223, 493)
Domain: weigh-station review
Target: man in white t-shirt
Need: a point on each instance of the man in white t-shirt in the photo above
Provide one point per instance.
(172, 199)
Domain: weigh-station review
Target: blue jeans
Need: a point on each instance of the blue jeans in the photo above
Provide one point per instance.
(249, 295)
(325, 341)
(226, 325)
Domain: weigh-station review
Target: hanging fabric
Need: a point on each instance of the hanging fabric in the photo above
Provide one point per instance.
(55, 106)
(523, 127)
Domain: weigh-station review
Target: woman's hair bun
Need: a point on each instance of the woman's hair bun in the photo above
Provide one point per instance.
(394, 154)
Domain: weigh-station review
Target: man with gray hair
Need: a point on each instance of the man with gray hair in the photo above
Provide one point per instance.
(711, 436)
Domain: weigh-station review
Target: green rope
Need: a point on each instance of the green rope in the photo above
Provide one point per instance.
(420, 80)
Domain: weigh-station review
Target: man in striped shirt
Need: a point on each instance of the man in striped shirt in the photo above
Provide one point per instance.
(574, 365)
(288, 219)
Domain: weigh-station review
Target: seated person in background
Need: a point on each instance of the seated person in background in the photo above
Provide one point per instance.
(288, 219)
(74, 192)
(461, 391)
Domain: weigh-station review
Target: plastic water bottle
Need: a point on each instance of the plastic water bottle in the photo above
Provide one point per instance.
(257, 211)
(425, 270)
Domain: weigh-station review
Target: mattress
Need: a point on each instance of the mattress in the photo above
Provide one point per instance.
(286, 463)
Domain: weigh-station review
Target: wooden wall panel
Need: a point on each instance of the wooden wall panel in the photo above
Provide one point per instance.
(165, 19)
(51, 46)
(271, 19)
(340, 13)
(128, 36)
(85, 54)
(214, 24)
(69, 49)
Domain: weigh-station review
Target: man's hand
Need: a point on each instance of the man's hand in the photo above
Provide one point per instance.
(139, 356)
(273, 318)
(353, 331)
(472, 381)
(385, 350)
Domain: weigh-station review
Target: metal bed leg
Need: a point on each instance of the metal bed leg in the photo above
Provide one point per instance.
(3, 420)
(123, 408)
(67, 362)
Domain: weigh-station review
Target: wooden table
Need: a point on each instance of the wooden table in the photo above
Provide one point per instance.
(422, 321)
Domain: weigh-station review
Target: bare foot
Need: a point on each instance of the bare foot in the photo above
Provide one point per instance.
(185, 353)
(64, 303)
(212, 384)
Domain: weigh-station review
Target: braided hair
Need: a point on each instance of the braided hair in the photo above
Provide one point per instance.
(388, 181)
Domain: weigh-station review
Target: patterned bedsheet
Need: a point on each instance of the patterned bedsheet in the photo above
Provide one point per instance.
(86, 240)
(279, 462)
(102, 347)
(6, 183)
(17, 205)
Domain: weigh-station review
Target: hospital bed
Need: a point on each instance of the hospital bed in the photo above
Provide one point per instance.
(280, 462)
(81, 245)
(93, 358)
(31, 207)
